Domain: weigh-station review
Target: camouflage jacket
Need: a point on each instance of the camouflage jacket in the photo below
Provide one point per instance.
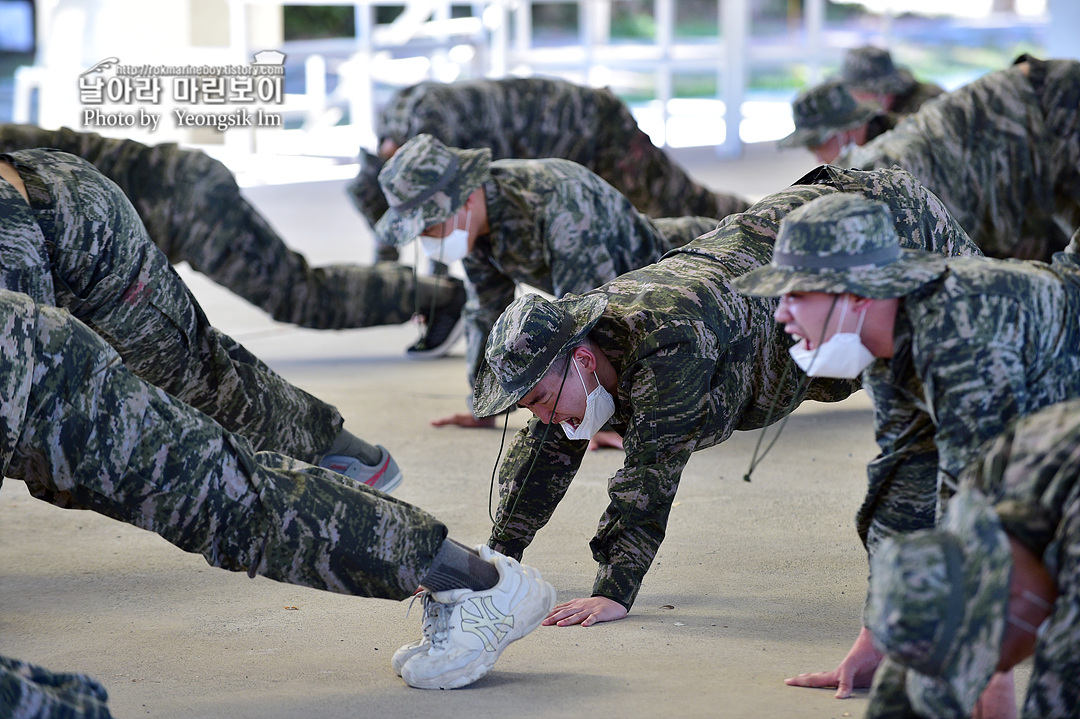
(537, 117)
(985, 343)
(512, 116)
(915, 98)
(16, 369)
(560, 228)
(523, 118)
(1032, 472)
(1001, 153)
(696, 361)
(115, 158)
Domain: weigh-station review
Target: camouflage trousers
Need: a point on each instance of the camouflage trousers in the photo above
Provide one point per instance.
(94, 436)
(193, 211)
(80, 245)
(200, 217)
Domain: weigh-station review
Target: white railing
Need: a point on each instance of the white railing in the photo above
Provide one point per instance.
(496, 40)
(500, 35)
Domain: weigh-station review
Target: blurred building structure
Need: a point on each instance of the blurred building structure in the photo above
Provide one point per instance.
(693, 70)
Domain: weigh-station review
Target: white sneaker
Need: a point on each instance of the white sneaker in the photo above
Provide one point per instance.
(471, 629)
(432, 611)
(407, 652)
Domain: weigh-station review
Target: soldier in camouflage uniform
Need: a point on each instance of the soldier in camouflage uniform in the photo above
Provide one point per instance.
(687, 360)
(531, 118)
(829, 121)
(194, 212)
(870, 74)
(83, 432)
(954, 350)
(1019, 575)
(1003, 154)
(75, 241)
(551, 224)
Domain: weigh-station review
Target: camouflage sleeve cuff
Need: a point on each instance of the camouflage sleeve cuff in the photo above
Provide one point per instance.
(1029, 523)
(625, 606)
(513, 548)
(617, 583)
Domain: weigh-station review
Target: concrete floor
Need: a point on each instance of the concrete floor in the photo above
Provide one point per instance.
(755, 582)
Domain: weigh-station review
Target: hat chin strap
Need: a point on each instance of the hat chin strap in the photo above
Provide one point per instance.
(755, 458)
(955, 608)
(495, 528)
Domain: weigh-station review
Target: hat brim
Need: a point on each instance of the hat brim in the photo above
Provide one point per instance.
(911, 270)
(816, 136)
(900, 83)
(490, 397)
(400, 228)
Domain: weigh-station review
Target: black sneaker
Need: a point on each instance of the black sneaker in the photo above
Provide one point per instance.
(444, 327)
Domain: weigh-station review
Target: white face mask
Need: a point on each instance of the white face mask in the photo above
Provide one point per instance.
(453, 247)
(599, 407)
(842, 356)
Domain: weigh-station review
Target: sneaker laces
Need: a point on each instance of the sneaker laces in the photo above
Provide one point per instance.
(436, 625)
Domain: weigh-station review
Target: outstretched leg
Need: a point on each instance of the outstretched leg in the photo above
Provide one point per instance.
(104, 269)
(83, 432)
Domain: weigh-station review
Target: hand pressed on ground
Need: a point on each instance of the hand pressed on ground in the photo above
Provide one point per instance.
(585, 611)
(855, 672)
(463, 419)
(998, 700)
(605, 438)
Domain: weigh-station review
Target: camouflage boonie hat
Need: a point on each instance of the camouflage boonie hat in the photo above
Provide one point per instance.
(825, 110)
(871, 69)
(839, 243)
(526, 340)
(937, 605)
(425, 183)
